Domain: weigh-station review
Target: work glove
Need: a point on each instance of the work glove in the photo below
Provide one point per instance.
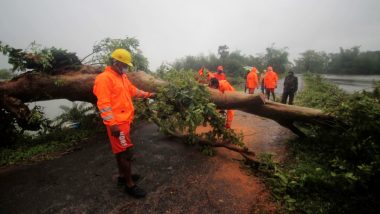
(115, 131)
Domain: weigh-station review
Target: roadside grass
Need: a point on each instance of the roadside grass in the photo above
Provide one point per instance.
(53, 139)
(335, 169)
(43, 147)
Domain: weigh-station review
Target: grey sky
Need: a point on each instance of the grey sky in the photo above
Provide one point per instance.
(170, 29)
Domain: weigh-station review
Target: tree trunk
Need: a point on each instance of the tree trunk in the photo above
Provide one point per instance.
(77, 86)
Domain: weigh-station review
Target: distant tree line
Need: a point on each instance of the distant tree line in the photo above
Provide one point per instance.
(347, 61)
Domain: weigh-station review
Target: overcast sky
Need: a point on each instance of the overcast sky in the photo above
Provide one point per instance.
(171, 29)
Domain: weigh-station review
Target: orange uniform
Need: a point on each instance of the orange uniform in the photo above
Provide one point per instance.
(200, 71)
(210, 75)
(220, 76)
(224, 85)
(252, 80)
(270, 79)
(114, 92)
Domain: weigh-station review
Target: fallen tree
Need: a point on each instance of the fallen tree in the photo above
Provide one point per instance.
(77, 86)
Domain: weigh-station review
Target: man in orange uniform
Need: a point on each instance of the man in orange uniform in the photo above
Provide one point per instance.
(222, 86)
(114, 92)
(220, 75)
(252, 81)
(270, 82)
(200, 71)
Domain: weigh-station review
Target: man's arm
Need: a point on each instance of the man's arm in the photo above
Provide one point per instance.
(138, 93)
(102, 90)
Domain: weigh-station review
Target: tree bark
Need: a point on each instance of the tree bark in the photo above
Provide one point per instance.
(77, 86)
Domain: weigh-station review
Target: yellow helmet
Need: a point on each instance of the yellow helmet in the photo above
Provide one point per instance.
(123, 56)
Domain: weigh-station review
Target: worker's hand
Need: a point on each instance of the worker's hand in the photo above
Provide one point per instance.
(115, 131)
(153, 96)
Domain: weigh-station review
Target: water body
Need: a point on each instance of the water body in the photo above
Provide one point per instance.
(353, 83)
(51, 108)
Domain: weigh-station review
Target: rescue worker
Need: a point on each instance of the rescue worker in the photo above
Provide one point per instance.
(245, 84)
(290, 88)
(222, 86)
(262, 85)
(270, 81)
(200, 71)
(220, 75)
(210, 75)
(114, 94)
(252, 81)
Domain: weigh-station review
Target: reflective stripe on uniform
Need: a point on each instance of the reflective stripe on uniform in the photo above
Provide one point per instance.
(106, 109)
(108, 117)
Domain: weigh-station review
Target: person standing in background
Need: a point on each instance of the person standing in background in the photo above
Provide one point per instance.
(270, 81)
(223, 86)
(252, 81)
(262, 85)
(220, 75)
(290, 88)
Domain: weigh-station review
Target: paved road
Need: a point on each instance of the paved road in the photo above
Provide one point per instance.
(177, 176)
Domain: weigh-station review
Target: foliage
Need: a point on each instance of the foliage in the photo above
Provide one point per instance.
(312, 61)
(319, 93)
(333, 170)
(52, 136)
(277, 58)
(42, 146)
(347, 61)
(5, 74)
(82, 113)
(103, 49)
(48, 60)
(183, 105)
(9, 132)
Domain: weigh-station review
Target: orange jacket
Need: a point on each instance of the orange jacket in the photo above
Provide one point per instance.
(210, 75)
(224, 85)
(252, 79)
(114, 93)
(200, 71)
(270, 78)
(220, 76)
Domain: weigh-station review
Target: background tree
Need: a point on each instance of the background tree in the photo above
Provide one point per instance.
(103, 49)
(223, 52)
(277, 58)
(347, 61)
(312, 61)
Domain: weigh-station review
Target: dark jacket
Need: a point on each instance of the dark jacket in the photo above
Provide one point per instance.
(291, 83)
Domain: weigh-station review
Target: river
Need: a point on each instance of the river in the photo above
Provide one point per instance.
(352, 83)
(349, 83)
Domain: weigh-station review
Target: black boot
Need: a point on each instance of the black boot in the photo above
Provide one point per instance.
(135, 191)
(121, 180)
